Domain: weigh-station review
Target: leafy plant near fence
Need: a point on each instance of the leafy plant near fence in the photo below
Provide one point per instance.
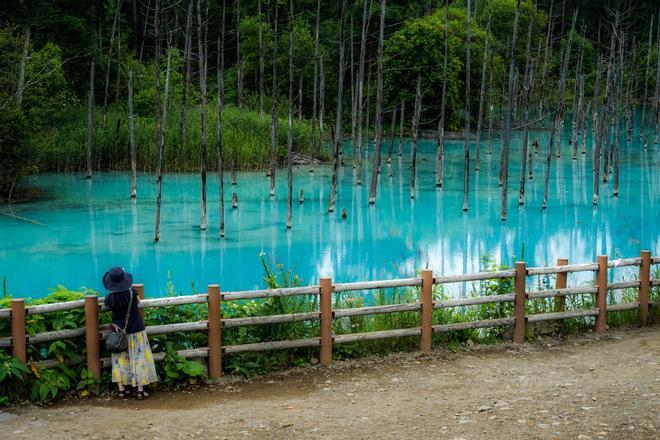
(18, 382)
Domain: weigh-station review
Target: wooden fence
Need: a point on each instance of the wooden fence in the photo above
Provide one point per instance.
(214, 298)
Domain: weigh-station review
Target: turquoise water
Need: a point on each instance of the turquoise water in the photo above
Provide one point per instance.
(88, 226)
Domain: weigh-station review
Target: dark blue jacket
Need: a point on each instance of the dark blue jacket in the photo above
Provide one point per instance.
(118, 303)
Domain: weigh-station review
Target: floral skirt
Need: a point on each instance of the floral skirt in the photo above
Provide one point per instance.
(134, 366)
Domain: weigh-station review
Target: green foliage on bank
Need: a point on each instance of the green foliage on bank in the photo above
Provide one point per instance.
(20, 383)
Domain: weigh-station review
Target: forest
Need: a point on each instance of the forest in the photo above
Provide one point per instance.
(198, 85)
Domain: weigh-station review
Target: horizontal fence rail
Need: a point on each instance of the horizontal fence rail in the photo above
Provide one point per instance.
(94, 333)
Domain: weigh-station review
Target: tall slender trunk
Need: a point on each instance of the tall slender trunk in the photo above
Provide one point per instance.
(107, 67)
(619, 110)
(340, 94)
(611, 92)
(546, 56)
(391, 144)
(526, 104)
(261, 62)
(131, 135)
(466, 169)
(289, 142)
(321, 99)
(504, 168)
(187, 50)
(221, 99)
(367, 105)
(360, 90)
(90, 120)
(491, 103)
(415, 128)
(273, 112)
(201, 43)
(159, 128)
(316, 68)
(239, 65)
(300, 96)
(646, 82)
(656, 100)
(379, 109)
(21, 74)
(482, 95)
(401, 128)
(440, 153)
(353, 95)
(560, 111)
(144, 30)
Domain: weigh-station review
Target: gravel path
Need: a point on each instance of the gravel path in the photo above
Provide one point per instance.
(585, 387)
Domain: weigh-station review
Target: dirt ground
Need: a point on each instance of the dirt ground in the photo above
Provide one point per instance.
(584, 387)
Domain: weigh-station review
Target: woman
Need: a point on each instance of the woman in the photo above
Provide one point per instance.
(134, 366)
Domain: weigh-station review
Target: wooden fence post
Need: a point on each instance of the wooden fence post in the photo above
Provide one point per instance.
(644, 287)
(215, 331)
(519, 307)
(325, 304)
(561, 281)
(139, 288)
(426, 312)
(601, 296)
(92, 337)
(18, 340)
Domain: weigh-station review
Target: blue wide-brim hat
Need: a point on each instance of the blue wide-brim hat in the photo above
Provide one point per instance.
(117, 280)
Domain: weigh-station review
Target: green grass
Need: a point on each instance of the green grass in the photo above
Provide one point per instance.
(246, 140)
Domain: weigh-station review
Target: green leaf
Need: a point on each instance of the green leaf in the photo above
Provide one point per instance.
(43, 392)
(192, 368)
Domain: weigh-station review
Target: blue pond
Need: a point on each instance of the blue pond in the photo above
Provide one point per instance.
(86, 226)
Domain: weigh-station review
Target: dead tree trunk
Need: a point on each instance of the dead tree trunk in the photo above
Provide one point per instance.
(21, 74)
(491, 103)
(466, 168)
(187, 50)
(504, 168)
(353, 96)
(656, 99)
(403, 108)
(201, 42)
(360, 92)
(239, 66)
(546, 56)
(340, 94)
(289, 142)
(526, 103)
(440, 153)
(482, 95)
(221, 98)
(321, 99)
(261, 62)
(368, 108)
(90, 121)
(560, 111)
(159, 128)
(131, 135)
(316, 69)
(391, 144)
(379, 109)
(273, 112)
(414, 131)
(107, 67)
(642, 132)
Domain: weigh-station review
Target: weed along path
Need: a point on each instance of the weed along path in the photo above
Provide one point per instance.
(590, 386)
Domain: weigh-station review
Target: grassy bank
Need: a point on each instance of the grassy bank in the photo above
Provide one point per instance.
(246, 140)
(17, 382)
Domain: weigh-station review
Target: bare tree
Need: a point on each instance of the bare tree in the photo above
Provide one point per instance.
(21, 74)
(90, 120)
(316, 68)
(392, 127)
(504, 163)
(466, 169)
(546, 56)
(187, 49)
(289, 143)
(107, 69)
(340, 94)
(646, 84)
(160, 138)
(401, 120)
(261, 62)
(482, 94)
(440, 153)
(379, 109)
(201, 43)
(239, 65)
(131, 135)
(360, 89)
(415, 129)
(221, 98)
(273, 112)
